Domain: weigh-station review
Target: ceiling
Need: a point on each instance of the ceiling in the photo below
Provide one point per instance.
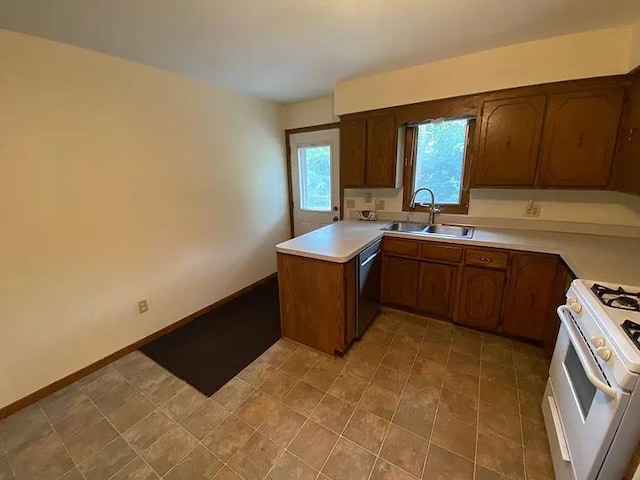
(289, 50)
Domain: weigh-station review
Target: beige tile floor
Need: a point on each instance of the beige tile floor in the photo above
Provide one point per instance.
(415, 398)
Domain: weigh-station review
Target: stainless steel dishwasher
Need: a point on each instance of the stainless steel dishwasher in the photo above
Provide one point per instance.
(369, 272)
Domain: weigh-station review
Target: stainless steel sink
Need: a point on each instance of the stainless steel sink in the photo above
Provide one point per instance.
(407, 227)
(436, 229)
(449, 230)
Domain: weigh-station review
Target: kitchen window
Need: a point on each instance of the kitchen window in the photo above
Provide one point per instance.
(437, 152)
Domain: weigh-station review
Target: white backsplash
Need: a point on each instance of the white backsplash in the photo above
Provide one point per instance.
(560, 210)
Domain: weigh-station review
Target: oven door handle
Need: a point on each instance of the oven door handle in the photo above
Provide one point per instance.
(564, 313)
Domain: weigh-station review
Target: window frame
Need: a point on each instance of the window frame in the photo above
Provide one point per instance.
(303, 173)
(411, 134)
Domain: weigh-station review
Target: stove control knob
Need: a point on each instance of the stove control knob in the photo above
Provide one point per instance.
(571, 300)
(604, 353)
(576, 307)
(597, 342)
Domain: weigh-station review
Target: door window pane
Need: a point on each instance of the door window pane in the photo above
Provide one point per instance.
(314, 167)
(582, 387)
(440, 160)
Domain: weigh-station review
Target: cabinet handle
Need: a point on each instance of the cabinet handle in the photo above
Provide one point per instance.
(509, 142)
(486, 259)
(533, 300)
(580, 140)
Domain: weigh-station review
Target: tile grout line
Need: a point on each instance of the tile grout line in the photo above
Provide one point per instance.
(435, 413)
(395, 411)
(475, 452)
(524, 456)
(75, 465)
(307, 419)
(341, 435)
(120, 434)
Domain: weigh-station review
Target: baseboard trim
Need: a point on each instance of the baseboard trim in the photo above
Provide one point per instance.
(83, 372)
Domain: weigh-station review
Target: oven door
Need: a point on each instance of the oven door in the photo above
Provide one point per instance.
(588, 403)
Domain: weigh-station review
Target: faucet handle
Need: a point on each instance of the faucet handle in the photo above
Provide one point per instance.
(436, 208)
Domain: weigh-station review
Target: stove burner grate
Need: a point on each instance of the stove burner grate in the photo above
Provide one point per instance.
(617, 298)
(632, 329)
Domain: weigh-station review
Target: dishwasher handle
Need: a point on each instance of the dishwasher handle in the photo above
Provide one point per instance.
(369, 259)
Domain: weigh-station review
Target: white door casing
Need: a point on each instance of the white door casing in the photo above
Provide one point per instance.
(315, 167)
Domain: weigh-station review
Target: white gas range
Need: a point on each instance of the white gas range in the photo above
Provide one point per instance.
(591, 404)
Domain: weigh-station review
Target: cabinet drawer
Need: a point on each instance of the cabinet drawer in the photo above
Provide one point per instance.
(408, 248)
(445, 253)
(486, 258)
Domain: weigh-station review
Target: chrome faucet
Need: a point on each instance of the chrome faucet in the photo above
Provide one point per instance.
(433, 208)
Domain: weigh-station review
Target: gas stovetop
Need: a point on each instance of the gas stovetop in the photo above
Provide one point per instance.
(616, 308)
(617, 297)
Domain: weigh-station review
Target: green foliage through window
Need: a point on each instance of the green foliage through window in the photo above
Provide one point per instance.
(439, 160)
(314, 166)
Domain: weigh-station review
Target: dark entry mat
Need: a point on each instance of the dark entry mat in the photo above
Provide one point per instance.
(210, 350)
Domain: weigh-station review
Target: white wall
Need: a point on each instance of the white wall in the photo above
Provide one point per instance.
(120, 182)
(317, 111)
(576, 206)
(591, 54)
(634, 61)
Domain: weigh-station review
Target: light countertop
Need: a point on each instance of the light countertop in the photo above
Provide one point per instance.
(595, 257)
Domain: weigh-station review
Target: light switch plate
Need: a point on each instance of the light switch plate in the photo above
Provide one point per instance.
(367, 198)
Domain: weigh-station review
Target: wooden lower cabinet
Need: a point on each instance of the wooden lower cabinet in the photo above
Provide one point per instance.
(480, 298)
(400, 281)
(528, 294)
(436, 289)
(317, 302)
(502, 291)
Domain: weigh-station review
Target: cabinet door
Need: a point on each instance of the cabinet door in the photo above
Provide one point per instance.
(436, 287)
(481, 297)
(578, 138)
(509, 140)
(353, 138)
(528, 294)
(400, 281)
(382, 155)
(626, 176)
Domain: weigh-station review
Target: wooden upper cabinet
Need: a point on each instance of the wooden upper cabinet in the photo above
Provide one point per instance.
(509, 139)
(480, 298)
(371, 152)
(626, 170)
(381, 159)
(353, 141)
(529, 291)
(578, 138)
(436, 288)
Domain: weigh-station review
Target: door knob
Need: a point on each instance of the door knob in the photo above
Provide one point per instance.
(335, 219)
(335, 209)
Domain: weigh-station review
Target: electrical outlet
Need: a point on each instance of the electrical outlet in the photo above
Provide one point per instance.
(143, 306)
(379, 204)
(351, 203)
(367, 198)
(532, 209)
